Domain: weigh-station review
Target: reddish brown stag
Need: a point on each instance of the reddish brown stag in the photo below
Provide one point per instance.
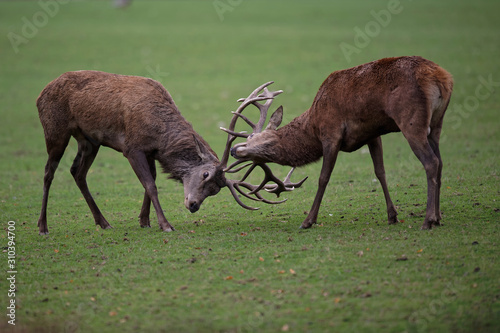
(138, 117)
(354, 107)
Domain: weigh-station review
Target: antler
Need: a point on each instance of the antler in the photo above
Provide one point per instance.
(253, 98)
(235, 186)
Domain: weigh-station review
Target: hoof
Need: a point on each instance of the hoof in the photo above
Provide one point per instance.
(394, 221)
(43, 233)
(426, 226)
(167, 229)
(429, 224)
(144, 222)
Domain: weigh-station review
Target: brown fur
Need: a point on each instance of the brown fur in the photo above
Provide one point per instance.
(135, 116)
(354, 107)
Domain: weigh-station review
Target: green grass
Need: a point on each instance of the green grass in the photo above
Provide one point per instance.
(225, 269)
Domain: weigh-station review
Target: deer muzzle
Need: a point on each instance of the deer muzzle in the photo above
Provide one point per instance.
(238, 150)
(192, 205)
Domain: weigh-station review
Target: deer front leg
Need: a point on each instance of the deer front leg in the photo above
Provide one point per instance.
(329, 159)
(139, 163)
(376, 153)
(146, 205)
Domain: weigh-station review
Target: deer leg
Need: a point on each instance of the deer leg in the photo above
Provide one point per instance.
(422, 149)
(139, 163)
(434, 143)
(146, 205)
(329, 158)
(55, 151)
(376, 153)
(81, 165)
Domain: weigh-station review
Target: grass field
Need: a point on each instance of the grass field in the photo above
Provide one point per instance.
(229, 270)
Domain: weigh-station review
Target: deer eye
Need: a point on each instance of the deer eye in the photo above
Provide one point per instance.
(205, 175)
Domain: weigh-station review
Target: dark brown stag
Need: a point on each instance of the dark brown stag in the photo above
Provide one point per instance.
(354, 107)
(138, 117)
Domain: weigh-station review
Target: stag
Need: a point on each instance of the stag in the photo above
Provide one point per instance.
(137, 117)
(354, 107)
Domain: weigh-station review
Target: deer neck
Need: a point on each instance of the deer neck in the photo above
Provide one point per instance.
(297, 145)
(179, 156)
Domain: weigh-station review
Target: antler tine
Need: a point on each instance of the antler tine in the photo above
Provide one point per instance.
(230, 169)
(280, 186)
(259, 197)
(234, 188)
(286, 185)
(231, 185)
(242, 134)
(264, 108)
(248, 121)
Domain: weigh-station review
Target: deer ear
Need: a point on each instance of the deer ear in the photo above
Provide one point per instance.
(275, 119)
(203, 152)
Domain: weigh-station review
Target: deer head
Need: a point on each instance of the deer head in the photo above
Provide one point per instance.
(236, 186)
(204, 180)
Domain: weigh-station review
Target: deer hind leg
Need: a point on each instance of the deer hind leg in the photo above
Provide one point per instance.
(141, 167)
(434, 143)
(329, 159)
(87, 152)
(55, 149)
(376, 153)
(432, 164)
(146, 205)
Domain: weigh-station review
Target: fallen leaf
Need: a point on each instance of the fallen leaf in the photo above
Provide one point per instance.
(261, 259)
(419, 251)
(113, 313)
(360, 254)
(56, 251)
(92, 299)
(337, 300)
(285, 328)
(243, 234)
(292, 271)
(228, 277)
(281, 272)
